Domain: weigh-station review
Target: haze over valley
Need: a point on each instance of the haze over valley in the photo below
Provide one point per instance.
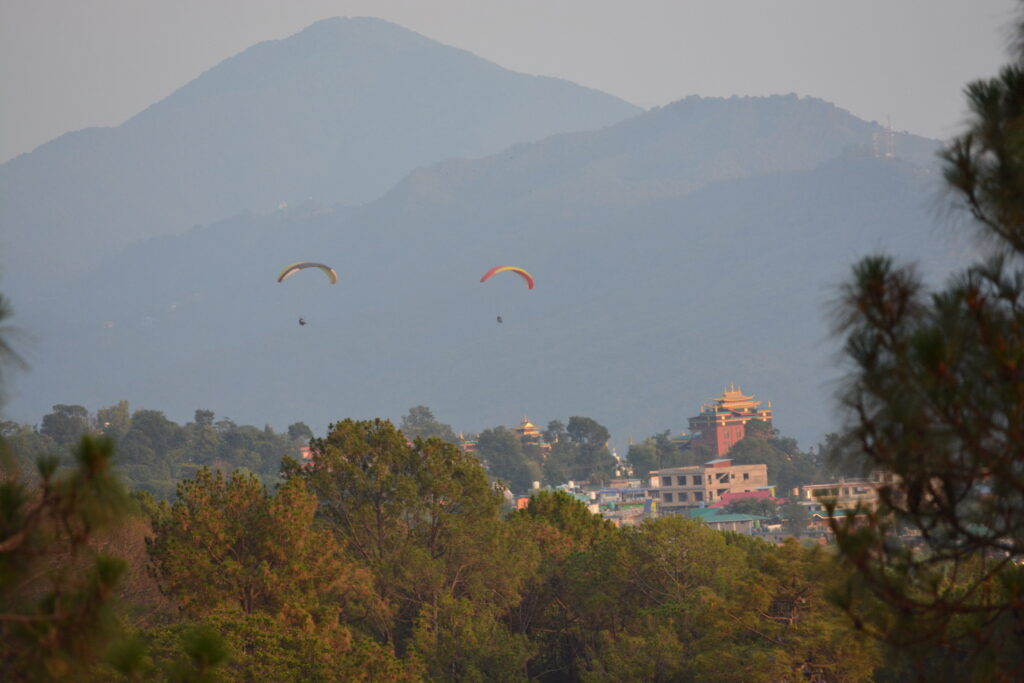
(675, 250)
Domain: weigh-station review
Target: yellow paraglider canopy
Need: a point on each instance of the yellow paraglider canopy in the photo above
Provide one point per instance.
(302, 265)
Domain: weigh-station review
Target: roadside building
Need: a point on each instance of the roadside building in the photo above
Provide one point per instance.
(678, 489)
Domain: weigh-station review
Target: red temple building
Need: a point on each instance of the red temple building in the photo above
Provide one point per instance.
(721, 423)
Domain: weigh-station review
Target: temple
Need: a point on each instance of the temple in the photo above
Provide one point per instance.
(722, 423)
(527, 431)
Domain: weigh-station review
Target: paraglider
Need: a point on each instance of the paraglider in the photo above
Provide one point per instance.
(518, 271)
(302, 265)
(332, 276)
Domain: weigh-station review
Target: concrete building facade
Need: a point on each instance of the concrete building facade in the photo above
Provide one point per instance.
(678, 489)
(846, 494)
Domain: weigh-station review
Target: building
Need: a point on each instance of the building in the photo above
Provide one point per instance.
(467, 442)
(679, 489)
(846, 494)
(624, 506)
(721, 423)
(527, 431)
(724, 521)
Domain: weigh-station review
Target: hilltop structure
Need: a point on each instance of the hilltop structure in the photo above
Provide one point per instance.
(722, 423)
(527, 431)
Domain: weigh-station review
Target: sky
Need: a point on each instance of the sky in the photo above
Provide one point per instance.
(72, 64)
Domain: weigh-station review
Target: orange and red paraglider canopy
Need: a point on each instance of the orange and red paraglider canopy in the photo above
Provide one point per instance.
(518, 271)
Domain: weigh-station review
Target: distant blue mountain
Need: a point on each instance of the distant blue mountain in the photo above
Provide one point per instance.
(338, 112)
(690, 247)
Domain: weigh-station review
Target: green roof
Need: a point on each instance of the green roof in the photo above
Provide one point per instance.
(712, 515)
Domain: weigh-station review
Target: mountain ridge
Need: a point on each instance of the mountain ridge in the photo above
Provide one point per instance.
(305, 119)
(641, 311)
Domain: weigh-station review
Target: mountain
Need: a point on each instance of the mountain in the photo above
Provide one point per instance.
(690, 247)
(338, 112)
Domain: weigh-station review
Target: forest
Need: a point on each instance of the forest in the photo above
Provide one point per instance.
(385, 559)
(154, 453)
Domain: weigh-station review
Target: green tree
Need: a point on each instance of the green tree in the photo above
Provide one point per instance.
(673, 600)
(420, 422)
(24, 445)
(796, 517)
(764, 507)
(569, 516)
(147, 451)
(560, 528)
(788, 466)
(270, 580)
(300, 431)
(935, 398)
(643, 457)
(658, 452)
(114, 421)
(202, 442)
(593, 461)
(203, 418)
(426, 522)
(555, 432)
(758, 429)
(56, 590)
(228, 541)
(66, 424)
(9, 358)
(506, 459)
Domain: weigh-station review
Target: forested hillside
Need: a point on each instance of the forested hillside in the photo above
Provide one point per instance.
(384, 559)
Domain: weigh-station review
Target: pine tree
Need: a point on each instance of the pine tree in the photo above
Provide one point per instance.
(935, 398)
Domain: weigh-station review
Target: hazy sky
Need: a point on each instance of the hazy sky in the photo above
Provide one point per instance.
(70, 64)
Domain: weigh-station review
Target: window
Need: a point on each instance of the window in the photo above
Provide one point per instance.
(699, 495)
(682, 497)
(681, 480)
(668, 497)
(721, 491)
(696, 480)
(746, 475)
(666, 481)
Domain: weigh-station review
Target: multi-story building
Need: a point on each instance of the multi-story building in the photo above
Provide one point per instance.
(677, 489)
(721, 423)
(845, 494)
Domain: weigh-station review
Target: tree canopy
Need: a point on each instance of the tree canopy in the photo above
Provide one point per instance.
(935, 398)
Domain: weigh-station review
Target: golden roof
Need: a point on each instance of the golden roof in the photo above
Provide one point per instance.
(733, 397)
